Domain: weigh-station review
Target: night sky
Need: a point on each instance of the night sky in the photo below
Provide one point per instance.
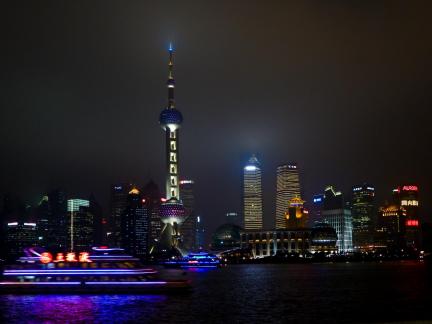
(341, 87)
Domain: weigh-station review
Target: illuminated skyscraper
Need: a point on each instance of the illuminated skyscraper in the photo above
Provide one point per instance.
(189, 226)
(296, 216)
(363, 211)
(287, 188)
(339, 217)
(153, 200)
(252, 195)
(135, 225)
(80, 225)
(118, 203)
(19, 235)
(407, 198)
(172, 212)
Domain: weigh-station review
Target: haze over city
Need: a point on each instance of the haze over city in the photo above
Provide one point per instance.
(341, 88)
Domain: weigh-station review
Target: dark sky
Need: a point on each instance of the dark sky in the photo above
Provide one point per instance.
(341, 87)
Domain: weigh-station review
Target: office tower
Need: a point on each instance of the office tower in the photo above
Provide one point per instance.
(172, 212)
(391, 227)
(188, 228)
(52, 220)
(363, 210)
(296, 217)
(153, 198)
(339, 217)
(200, 234)
(407, 197)
(287, 187)
(100, 226)
(252, 195)
(118, 203)
(135, 225)
(19, 235)
(317, 206)
(80, 226)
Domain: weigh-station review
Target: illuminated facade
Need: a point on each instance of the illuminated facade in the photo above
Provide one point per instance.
(268, 243)
(296, 216)
(135, 225)
(118, 203)
(189, 226)
(152, 202)
(407, 198)
(172, 212)
(20, 235)
(339, 217)
(287, 188)
(80, 225)
(52, 218)
(363, 210)
(391, 226)
(252, 195)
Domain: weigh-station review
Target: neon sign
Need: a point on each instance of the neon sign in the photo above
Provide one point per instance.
(59, 257)
(410, 188)
(412, 222)
(409, 203)
(45, 257)
(84, 257)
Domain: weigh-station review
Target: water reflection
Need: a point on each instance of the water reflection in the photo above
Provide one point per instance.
(74, 308)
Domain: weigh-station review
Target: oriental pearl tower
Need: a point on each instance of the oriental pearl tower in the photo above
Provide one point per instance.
(172, 212)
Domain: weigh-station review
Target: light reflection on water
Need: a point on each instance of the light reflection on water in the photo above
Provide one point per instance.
(324, 293)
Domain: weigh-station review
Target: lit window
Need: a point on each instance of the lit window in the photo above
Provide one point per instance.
(173, 181)
(173, 145)
(173, 192)
(173, 157)
(172, 135)
(173, 168)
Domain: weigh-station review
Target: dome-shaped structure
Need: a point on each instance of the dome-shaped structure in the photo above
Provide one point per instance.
(170, 116)
(172, 211)
(323, 235)
(227, 236)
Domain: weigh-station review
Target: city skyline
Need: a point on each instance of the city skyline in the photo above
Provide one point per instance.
(78, 116)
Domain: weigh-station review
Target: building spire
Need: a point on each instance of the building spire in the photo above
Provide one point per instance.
(171, 81)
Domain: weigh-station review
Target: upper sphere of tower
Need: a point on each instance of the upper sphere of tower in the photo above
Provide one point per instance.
(170, 116)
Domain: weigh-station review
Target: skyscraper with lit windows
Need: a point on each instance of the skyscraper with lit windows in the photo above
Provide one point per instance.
(287, 188)
(363, 211)
(339, 217)
(252, 195)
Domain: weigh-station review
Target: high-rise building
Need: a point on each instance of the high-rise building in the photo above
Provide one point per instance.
(407, 197)
(172, 212)
(52, 220)
(135, 225)
(252, 195)
(363, 211)
(153, 199)
(118, 203)
(317, 206)
(81, 225)
(287, 188)
(189, 225)
(296, 217)
(200, 234)
(391, 227)
(339, 217)
(20, 235)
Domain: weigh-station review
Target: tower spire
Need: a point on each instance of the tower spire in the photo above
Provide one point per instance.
(171, 81)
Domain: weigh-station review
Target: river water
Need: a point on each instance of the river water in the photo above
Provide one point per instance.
(314, 293)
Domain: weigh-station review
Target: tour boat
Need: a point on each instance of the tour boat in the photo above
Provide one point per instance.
(105, 270)
(195, 260)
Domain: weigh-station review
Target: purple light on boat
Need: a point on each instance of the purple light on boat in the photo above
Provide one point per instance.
(40, 283)
(126, 283)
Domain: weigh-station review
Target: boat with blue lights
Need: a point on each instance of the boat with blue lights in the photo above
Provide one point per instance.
(104, 270)
(195, 260)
